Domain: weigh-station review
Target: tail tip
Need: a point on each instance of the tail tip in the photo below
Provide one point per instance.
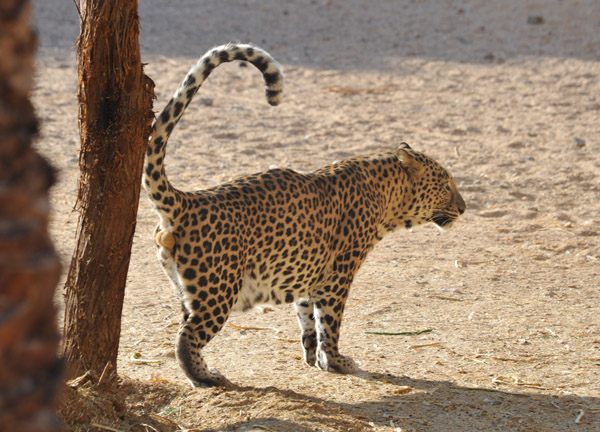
(274, 97)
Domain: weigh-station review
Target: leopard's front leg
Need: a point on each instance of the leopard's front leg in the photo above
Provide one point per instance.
(329, 304)
(306, 319)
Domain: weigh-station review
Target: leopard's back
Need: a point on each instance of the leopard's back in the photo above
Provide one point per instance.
(274, 229)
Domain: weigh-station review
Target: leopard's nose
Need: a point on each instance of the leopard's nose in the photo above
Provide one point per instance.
(461, 204)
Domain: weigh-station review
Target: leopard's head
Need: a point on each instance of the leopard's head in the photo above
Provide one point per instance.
(432, 195)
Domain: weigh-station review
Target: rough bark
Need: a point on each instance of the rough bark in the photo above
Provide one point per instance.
(30, 370)
(115, 114)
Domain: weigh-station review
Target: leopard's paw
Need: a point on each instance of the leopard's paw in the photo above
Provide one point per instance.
(338, 364)
(214, 379)
(310, 357)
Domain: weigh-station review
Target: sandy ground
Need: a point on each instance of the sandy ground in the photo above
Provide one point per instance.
(505, 94)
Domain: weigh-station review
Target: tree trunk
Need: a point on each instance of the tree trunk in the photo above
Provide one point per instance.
(115, 115)
(29, 267)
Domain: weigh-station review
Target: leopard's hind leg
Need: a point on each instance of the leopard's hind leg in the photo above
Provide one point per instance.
(209, 298)
(190, 341)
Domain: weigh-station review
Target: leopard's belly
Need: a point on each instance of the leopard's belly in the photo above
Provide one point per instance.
(283, 275)
(269, 288)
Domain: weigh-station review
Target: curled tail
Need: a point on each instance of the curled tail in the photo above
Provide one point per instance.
(154, 180)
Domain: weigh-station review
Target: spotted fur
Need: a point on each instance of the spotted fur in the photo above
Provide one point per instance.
(281, 236)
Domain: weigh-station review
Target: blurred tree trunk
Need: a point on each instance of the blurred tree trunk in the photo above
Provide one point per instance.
(30, 370)
(115, 115)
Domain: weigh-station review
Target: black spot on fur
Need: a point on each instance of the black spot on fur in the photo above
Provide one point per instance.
(178, 108)
(207, 70)
(189, 273)
(190, 81)
(272, 95)
(165, 116)
(224, 56)
(271, 78)
(190, 93)
(261, 64)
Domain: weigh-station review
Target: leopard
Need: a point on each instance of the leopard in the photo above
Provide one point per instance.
(280, 236)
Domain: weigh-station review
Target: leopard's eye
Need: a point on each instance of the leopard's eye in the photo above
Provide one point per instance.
(447, 190)
(447, 194)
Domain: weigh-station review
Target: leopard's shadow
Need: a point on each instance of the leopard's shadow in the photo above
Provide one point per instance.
(429, 403)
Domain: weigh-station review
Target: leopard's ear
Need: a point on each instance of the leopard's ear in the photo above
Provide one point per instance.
(407, 160)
